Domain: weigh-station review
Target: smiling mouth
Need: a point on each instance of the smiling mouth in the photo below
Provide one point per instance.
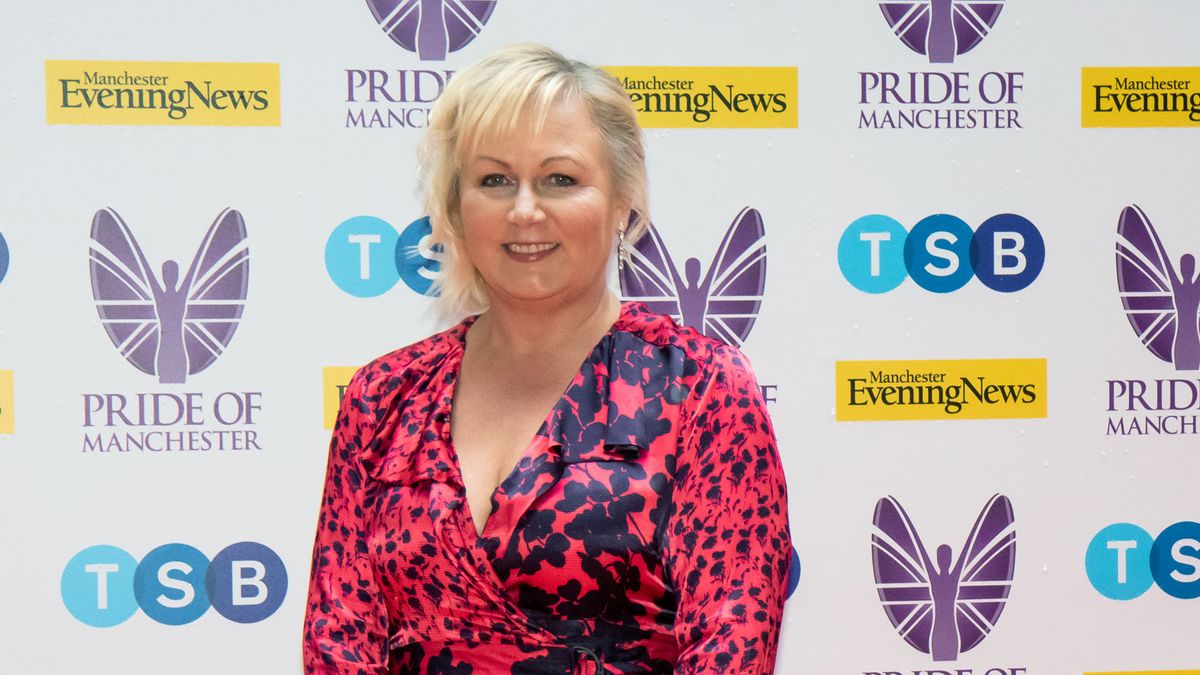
(529, 249)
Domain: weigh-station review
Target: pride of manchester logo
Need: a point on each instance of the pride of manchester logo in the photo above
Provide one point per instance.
(1162, 302)
(939, 98)
(941, 29)
(724, 302)
(944, 605)
(176, 325)
(432, 28)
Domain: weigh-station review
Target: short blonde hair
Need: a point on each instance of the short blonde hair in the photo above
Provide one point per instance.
(492, 97)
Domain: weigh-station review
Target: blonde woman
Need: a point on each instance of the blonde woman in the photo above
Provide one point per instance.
(560, 483)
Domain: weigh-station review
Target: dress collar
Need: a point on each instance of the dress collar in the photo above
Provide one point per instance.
(610, 412)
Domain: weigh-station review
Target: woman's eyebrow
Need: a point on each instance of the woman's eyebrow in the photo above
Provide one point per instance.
(567, 158)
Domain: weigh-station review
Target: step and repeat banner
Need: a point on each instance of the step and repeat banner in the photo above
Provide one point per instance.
(956, 238)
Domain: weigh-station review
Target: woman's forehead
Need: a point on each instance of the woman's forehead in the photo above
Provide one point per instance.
(565, 126)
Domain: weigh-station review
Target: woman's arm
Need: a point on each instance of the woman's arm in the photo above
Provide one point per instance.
(346, 624)
(728, 544)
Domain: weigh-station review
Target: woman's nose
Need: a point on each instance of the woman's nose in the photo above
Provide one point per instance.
(525, 209)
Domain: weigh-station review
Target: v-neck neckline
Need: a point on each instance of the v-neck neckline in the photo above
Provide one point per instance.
(541, 437)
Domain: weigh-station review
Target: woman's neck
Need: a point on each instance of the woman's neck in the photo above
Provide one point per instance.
(529, 330)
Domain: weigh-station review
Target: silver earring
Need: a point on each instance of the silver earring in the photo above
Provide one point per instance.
(621, 248)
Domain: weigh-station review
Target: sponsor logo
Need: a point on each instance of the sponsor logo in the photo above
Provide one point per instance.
(1162, 304)
(793, 579)
(334, 380)
(162, 93)
(7, 423)
(365, 256)
(724, 97)
(941, 253)
(400, 98)
(1140, 97)
(1123, 561)
(941, 390)
(4, 256)
(174, 584)
(170, 327)
(944, 605)
(432, 28)
(940, 30)
(724, 302)
(179, 325)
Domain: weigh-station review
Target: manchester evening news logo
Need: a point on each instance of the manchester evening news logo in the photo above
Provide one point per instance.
(170, 326)
(940, 30)
(940, 390)
(692, 97)
(7, 420)
(401, 98)
(1161, 302)
(944, 605)
(722, 301)
(1140, 97)
(432, 28)
(174, 584)
(162, 93)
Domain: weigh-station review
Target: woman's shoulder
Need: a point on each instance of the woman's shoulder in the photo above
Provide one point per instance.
(397, 370)
(710, 356)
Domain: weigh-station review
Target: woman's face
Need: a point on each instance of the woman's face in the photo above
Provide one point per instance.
(539, 216)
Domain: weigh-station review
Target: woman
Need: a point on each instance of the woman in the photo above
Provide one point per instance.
(644, 527)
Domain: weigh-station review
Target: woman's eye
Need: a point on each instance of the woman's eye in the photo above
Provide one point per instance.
(559, 180)
(494, 180)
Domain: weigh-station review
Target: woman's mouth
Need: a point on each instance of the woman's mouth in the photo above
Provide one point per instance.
(530, 252)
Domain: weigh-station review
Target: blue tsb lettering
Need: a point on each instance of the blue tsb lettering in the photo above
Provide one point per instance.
(941, 253)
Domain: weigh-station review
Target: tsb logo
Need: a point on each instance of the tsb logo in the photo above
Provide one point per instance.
(174, 584)
(3, 257)
(1123, 561)
(365, 256)
(941, 253)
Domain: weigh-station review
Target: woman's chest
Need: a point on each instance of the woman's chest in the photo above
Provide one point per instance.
(568, 541)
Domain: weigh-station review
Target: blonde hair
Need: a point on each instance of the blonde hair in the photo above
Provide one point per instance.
(492, 97)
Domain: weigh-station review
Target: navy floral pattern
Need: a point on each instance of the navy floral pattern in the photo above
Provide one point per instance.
(644, 530)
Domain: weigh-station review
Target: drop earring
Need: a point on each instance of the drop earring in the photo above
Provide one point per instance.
(621, 247)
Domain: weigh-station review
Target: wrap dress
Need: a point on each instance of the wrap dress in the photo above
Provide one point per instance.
(643, 530)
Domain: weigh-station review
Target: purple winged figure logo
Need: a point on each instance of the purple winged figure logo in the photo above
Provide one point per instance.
(432, 28)
(941, 29)
(1161, 303)
(944, 607)
(725, 302)
(173, 327)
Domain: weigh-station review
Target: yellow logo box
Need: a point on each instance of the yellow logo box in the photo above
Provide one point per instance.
(1141, 97)
(941, 390)
(334, 380)
(162, 93)
(6, 402)
(698, 97)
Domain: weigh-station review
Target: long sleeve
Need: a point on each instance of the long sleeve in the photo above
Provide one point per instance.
(728, 544)
(346, 623)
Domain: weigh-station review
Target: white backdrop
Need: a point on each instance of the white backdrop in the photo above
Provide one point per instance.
(294, 183)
